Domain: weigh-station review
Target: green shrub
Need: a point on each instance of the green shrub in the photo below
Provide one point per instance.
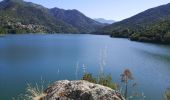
(135, 36)
(167, 95)
(167, 37)
(2, 31)
(105, 80)
(88, 77)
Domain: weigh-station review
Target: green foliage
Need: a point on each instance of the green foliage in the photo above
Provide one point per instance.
(152, 25)
(76, 19)
(120, 33)
(88, 77)
(135, 36)
(18, 16)
(23, 17)
(167, 37)
(105, 80)
(2, 31)
(158, 32)
(167, 94)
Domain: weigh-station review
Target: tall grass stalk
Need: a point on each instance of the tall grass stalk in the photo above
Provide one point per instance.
(84, 68)
(76, 72)
(102, 62)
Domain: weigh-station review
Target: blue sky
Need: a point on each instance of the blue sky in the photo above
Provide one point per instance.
(108, 9)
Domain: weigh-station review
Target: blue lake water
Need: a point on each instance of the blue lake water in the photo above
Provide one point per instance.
(27, 58)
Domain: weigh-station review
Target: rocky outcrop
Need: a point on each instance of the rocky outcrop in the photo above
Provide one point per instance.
(80, 90)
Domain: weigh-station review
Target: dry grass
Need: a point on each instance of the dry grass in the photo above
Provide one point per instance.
(33, 92)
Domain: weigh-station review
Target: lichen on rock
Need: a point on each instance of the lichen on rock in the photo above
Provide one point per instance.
(80, 90)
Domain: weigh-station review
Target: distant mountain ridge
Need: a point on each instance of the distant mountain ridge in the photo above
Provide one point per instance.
(76, 19)
(18, 16)
(104, 21)
(151, 25)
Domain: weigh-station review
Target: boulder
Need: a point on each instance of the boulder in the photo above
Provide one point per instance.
(80, 90)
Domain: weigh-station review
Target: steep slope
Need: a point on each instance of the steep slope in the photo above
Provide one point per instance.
(157, 33)
(76, 19)
(102, 20)
(18, 16)
(142, 19)
(145, 24)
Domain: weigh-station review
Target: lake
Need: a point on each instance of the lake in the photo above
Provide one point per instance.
(28, 58)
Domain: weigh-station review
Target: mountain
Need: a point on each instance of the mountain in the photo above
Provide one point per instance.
(104, 21)
(151, 25)
(157, 33)
(76, 19)
(18, 16)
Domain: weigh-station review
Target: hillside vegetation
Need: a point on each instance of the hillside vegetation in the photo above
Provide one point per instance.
(151, 25)
(18, 16)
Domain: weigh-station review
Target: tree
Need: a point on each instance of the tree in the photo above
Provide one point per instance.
(125, 77)
(167, 37)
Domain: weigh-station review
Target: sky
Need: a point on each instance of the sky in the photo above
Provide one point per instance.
(109, 9)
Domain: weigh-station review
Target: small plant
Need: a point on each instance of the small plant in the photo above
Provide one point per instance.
(88, 77)
(167, 94)
(125, 77)
(105, 80)
(76, 72)
(102, 62)
(84, 68)
(35, 92)
(102, 79)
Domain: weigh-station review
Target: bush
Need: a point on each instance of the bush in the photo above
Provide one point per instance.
(167, 95)
(167, 37)
(2, 31)
(144, 39)
(135, 37)
(105, 80)
(88, 77)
